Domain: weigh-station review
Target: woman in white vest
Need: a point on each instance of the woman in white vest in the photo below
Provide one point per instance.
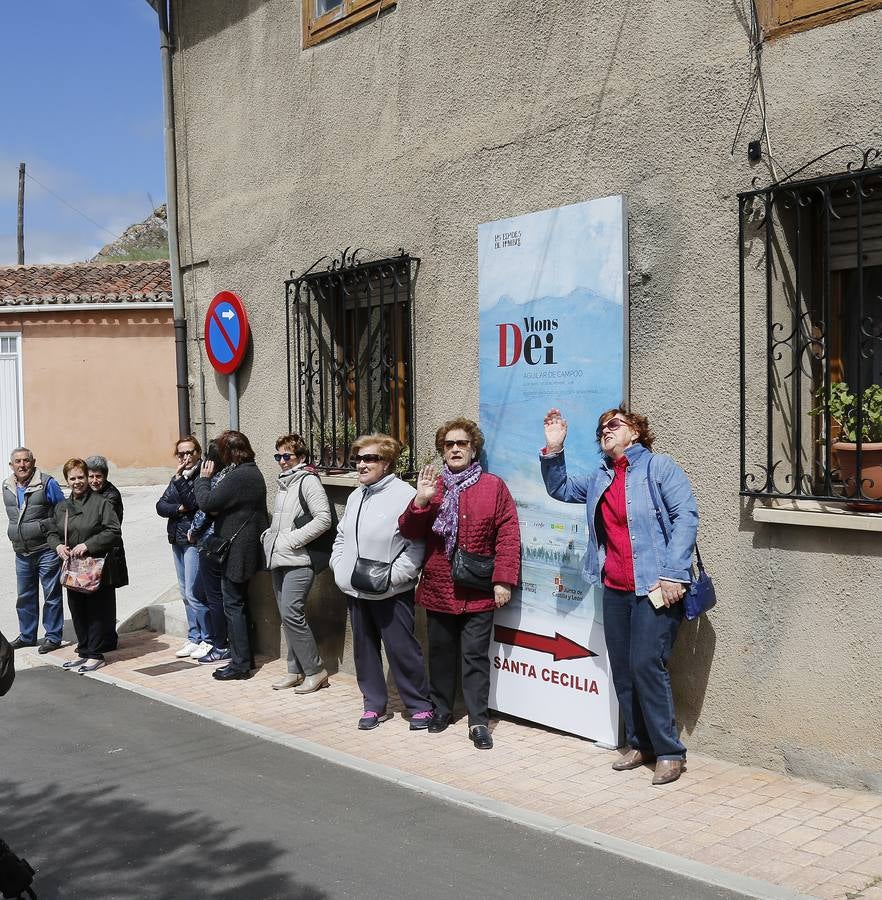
(302, 513)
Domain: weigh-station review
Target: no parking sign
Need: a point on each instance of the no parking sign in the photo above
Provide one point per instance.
(226, 332)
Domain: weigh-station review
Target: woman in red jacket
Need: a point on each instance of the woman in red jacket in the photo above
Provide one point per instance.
(473, 554)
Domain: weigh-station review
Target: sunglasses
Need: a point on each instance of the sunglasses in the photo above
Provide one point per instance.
(185, 453)
(449, 445)
(611, 425)
(278, 457)
(365, 457)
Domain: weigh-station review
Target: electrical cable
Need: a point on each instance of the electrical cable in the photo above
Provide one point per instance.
(71, 206)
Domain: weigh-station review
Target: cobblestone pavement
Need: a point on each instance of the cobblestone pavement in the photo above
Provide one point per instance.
(815, 839)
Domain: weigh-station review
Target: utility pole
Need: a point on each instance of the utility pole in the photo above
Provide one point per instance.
(21, 179)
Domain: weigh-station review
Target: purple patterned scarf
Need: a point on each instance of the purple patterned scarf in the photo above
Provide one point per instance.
(447, 521)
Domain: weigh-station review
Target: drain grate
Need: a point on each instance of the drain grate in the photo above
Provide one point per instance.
(166, 668)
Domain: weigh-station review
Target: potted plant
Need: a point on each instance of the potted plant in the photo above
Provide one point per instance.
(842, 409)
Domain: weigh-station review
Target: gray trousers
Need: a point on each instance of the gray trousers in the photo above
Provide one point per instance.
(292, 584)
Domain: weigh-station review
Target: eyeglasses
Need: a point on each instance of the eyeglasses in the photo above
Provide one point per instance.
(611, 425)
(449, 445)
(365, 457)
(185, 453)
(278, 457)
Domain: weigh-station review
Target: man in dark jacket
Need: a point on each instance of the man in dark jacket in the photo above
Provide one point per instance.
(30, 496)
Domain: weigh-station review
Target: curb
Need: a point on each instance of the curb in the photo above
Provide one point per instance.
(669, 862)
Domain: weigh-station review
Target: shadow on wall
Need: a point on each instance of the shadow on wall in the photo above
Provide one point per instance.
(224, 14)
(690, 668)
(91, 843)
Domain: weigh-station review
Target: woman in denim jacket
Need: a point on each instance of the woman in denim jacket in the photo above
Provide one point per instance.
(627, 551)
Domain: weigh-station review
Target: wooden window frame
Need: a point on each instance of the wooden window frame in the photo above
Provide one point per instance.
(782, 17)
(348, 14)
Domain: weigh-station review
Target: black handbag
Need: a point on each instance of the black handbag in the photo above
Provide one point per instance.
(218, 548)
(700, 595)
(472, 570)
(7, 665)
(319, 549)
(370, 576)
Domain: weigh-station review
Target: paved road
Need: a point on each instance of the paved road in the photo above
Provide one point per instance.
(114, 796)
(151, 570)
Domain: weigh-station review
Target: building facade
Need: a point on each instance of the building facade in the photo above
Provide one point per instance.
(306, 130)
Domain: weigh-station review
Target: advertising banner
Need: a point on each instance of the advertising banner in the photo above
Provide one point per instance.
(552, 296)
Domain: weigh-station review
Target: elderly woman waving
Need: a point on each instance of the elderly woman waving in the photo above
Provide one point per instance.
(473, 553)
(644, 575)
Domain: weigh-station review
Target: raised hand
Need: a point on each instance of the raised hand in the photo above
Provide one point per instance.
(207, 469)
(555, 430)
(427, 484)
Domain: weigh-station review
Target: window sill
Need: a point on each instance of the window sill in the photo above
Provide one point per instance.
(340, 480)
(819, 515)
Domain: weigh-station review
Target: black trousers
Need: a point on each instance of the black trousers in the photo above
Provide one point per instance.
(94, 621)
(455, 637)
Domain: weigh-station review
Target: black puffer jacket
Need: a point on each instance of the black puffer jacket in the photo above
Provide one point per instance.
(237, 501)
(179, 493)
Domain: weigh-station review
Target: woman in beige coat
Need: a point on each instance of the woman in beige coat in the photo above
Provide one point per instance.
(302, 513)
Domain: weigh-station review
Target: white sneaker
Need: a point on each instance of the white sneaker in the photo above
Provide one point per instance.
(186, 650)
(201, 650)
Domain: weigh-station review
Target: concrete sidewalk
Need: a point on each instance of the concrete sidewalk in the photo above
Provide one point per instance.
(743, 828)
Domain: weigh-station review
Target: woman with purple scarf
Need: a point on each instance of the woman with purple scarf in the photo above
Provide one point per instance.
(469, 522)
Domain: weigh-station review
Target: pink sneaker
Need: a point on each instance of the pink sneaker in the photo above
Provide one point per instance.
(371, 719)
(422, 719)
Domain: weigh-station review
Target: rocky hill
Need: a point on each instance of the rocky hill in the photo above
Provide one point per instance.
(143, 241)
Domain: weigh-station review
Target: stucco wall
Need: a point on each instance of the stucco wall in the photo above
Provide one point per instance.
(411, 130)
(99, 382)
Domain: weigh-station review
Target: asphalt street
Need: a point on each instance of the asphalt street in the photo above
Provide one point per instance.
(151, 569)
(112, 795)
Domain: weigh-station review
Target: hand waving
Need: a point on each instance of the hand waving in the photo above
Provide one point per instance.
(427, 484)
(555, 430)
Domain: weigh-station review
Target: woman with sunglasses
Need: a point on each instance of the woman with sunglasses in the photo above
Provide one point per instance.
(178, 505)
(377, 568)
(463, 509)
(644, 576)
(301, 495)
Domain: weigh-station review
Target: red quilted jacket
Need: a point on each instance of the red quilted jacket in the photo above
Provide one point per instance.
(488, 524)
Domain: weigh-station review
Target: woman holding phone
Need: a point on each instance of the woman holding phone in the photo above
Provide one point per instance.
(644, 576)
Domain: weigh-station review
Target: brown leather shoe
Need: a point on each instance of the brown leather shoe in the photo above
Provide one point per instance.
(667, 770)
(633, 759)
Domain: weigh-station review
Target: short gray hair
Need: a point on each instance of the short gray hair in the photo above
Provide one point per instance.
(30, 453)
(97, 464)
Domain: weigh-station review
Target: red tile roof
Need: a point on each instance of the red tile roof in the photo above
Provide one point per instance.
(120, 282)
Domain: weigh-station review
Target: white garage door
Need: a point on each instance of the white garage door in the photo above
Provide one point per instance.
(11, 435)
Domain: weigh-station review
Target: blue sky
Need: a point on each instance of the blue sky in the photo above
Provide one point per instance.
(82, 107)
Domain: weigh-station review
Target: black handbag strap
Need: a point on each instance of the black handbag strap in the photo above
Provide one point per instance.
(357, 519)
(657, 502)
(239, 529)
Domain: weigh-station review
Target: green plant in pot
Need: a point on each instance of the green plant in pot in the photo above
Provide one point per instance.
(842, 409)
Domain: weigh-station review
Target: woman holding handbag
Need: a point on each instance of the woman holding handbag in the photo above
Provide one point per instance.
(86, 528)
(238, 504)
(644, 567)
(377, 568)
(302, 513)
(473, 555)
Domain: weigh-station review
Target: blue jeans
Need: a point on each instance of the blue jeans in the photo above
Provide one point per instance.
(30, 570)
(187, 568)
(639, 639)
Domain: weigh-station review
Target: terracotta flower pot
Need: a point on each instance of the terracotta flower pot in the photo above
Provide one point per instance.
(871, 471)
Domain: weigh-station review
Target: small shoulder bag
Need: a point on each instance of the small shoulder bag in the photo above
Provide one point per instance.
(319, 549)
(218, 548)
(700, 595)
(370, 576)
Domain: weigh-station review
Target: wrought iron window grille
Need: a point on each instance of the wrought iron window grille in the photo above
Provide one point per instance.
(349, 337)
(810, 286)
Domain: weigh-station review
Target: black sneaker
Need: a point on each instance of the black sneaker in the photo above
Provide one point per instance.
(48, 646)
(18, 643)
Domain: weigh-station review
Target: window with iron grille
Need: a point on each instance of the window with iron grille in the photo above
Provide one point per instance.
(350, 355)
(811, 326)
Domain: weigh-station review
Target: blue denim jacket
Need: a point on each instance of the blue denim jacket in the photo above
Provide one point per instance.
(653, 559)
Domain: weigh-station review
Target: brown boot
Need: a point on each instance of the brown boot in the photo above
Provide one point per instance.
(633, 759)
(667, 770)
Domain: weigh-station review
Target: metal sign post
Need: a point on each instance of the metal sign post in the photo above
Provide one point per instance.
(226, 340)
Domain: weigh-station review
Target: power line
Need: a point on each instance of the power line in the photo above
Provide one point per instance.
(71, 206)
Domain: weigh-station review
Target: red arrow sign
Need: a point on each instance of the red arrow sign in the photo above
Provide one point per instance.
(561, 647)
